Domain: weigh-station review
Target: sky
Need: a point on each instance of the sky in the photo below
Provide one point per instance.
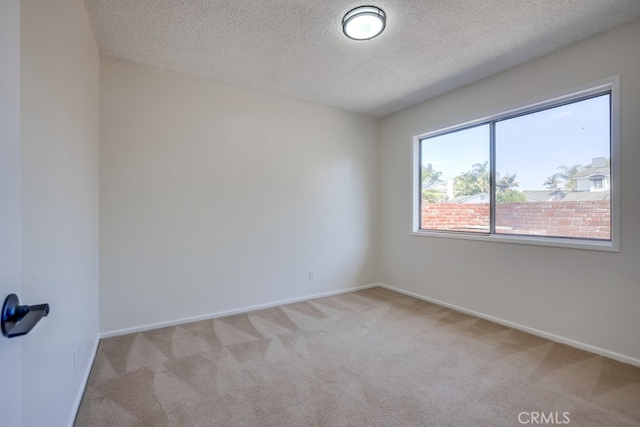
(531, 146)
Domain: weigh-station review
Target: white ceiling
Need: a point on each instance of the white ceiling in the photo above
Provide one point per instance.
(296, 49)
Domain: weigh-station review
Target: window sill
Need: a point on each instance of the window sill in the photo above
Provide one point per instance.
(593, 245)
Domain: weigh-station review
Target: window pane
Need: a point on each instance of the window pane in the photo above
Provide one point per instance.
(455, 181)
(553, 172)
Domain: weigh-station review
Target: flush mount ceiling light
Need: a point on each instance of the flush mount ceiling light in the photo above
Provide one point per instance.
(364, 22)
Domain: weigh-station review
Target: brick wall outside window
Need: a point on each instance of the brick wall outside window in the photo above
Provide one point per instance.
(579, 219)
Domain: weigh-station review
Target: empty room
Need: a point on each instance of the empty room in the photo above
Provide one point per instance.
(304, 213)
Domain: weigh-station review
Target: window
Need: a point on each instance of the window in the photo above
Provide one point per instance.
(598, 184)
(539, 174)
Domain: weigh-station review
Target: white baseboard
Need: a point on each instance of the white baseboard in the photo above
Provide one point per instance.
(85, 379)
(151, 326)
(549, 336)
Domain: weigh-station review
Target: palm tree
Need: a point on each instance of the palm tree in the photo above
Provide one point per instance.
(465, 184)
(480, 171)
(429, 175)
(474, 181)
(507, 182)
(552, 182)
(567, 174)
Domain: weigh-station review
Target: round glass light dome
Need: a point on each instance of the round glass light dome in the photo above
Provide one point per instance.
(364, 23)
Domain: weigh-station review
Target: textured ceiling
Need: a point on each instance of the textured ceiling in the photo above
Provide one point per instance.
(296, 49)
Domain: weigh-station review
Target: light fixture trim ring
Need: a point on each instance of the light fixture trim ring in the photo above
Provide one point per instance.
(364, 11)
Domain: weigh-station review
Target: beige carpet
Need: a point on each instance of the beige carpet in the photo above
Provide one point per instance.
(367, 358)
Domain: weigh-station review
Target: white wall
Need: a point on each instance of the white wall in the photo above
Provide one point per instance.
(587, 296)
(59, 95)
(214, 198)
(10, 178)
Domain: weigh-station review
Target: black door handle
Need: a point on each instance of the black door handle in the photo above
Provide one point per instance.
(20, 319)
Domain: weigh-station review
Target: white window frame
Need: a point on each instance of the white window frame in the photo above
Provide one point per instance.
(611, 84)
(598, 183)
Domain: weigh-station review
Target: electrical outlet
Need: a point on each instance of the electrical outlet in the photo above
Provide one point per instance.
(75, 358)
(312, 275)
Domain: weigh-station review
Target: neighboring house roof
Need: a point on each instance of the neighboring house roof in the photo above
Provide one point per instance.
(474, 198)
(542, 195)
(439, 185)
(588, 172)
(587, 195)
